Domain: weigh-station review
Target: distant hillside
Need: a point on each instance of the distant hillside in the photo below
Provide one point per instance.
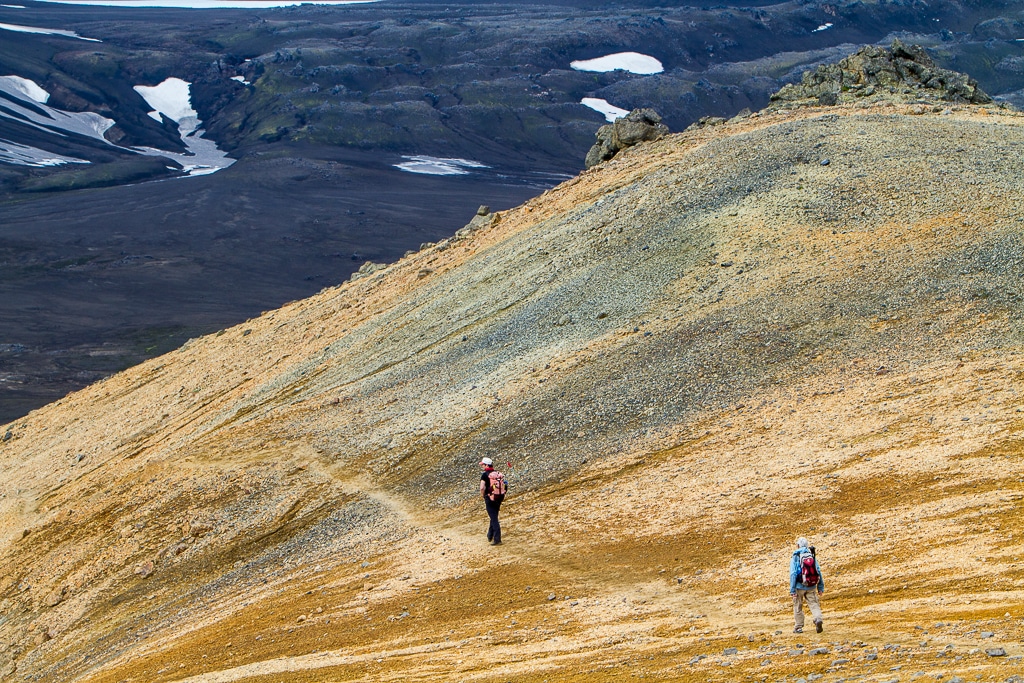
(802, 322)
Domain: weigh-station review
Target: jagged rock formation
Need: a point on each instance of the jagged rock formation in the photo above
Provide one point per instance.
(639, 125)
(900, 72)
(683, 360)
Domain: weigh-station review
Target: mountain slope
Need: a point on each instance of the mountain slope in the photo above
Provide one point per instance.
(685, 358)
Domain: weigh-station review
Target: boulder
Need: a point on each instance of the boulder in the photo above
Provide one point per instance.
(899, 72)
(637, 126)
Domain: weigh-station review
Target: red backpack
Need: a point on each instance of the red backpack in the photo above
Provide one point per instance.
(496, 485)
(808, 571)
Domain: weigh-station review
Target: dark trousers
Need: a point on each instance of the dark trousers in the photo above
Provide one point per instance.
(494, 530)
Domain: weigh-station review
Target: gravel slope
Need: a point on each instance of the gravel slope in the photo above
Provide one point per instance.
(684, 357)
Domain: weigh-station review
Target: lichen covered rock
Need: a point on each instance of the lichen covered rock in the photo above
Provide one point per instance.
(899, 72)
(638, 125)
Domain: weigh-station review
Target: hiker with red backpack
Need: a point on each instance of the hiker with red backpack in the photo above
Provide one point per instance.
(492, 488)
(805, 585)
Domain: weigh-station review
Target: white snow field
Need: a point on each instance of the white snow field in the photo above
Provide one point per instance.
(241, 79)
(26, 87)
(602, 107)
(46, 31)
(208, 4)
(823, 27)
(633, 62)
(44, 117)
(21, 155)
(436, 166)
(173, 99)
(27, 105)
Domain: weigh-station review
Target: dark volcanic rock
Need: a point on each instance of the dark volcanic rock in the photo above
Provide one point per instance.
(901, 72)
(638, 125)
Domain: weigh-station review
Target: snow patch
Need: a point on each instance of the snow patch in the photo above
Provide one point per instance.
(46, 31)
(13, 6)
(173, 99)
(241, 79)
(46, 118)
(22, 155)
(823, 27)
(26, 87)
(208, 4)
(437, 166)
(633, 62)
(602, 107)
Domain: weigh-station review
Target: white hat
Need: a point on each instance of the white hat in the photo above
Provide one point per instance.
(487, 461)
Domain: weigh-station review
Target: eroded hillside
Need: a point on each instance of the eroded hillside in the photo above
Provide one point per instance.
(806, 322)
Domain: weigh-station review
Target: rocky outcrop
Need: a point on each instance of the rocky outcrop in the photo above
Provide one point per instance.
(899, 72)
(638, 125)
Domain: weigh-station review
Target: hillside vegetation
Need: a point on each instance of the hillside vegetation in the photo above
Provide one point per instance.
(803, 322)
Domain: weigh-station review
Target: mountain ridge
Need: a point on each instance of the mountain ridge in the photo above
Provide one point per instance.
(684, 357)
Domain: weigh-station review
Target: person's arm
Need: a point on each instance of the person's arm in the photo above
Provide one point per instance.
(483, 487)
(821, 577)
(794, 571)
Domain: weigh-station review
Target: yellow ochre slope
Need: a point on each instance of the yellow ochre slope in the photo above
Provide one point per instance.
(803, 322)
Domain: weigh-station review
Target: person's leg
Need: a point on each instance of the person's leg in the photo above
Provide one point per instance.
(798, 610)
(494, 531)
(495, 524)
(815, 605)
(490, 520)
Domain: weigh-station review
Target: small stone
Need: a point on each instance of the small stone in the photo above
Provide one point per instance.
(995, 652)
(871, 656)
(696, 660)
(840, 662)
(483, 210)
(956, 679)
(726, 264)
(302, 618)
(57, 597)
(730, 651)
(826, 162)
(987, 634)
(813, 677)
(819, 651)
(364, 565)
(145, 570)
(551, 596)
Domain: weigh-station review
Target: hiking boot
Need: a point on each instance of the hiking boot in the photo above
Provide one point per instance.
(495, 542)
(818, 626)
(798, 629)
